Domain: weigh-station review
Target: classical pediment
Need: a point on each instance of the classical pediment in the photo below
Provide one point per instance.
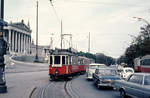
(20, 25)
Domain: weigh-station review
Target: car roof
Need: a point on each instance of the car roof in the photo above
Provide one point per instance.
(106, 68)
(96, 64)
(127, 68)
(145, 74)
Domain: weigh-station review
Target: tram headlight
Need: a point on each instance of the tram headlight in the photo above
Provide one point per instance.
(56, 71)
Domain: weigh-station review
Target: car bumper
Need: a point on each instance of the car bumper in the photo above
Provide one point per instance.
(106, 85)
(89, 76)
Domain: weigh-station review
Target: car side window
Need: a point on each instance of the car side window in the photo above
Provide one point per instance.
(147, 80)
(136, 79)
(96, 71)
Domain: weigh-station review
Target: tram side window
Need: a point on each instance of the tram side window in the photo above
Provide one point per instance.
(70, 61)
(67, 60)
(57, 60)
(74, 60)
(63, 60)
(51, 60)
(145, 62)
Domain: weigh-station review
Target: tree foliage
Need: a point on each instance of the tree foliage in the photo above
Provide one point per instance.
(103, 59)
(99, 57)
(88, 55)
(139, 47)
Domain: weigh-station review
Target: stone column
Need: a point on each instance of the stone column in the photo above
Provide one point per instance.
(18, 42)
(24, 43)
(10, 44)
(12, 41)
(21, 42)
(29, 44)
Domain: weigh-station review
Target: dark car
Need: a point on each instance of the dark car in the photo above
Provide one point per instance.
(137, 85)
(104, 77)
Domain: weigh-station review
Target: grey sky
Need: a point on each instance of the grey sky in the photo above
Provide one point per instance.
(109, 21)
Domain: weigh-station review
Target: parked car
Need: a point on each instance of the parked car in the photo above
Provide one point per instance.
(125, 72)
(91, 69)
(136, 85)
(105, 77)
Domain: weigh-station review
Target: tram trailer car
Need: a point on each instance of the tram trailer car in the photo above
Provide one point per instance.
(83, 64)
(142, 64)
(64, 63)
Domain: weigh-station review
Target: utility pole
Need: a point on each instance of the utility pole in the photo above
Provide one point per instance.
(70, 42)
(36, 56)
(61, 35)
(51, 42)
(89, 44)
(3, 46)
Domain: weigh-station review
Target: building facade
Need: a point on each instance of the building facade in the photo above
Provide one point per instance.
(18, 36)
(42, 50)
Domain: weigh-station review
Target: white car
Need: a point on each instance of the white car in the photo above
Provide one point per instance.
(125, 72)
(91, 69)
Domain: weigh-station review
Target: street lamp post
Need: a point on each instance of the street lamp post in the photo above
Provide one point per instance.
(141, 19)
(147, 28)
(89, 43)
(3, 46)
(36, 56)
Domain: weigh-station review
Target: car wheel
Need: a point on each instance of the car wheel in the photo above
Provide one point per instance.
(97, 84)
(123, 94)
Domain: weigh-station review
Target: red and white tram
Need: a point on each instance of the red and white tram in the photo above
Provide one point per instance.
(142, 64)
(65, 63)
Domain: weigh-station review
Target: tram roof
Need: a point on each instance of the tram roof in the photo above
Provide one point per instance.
(63, 52)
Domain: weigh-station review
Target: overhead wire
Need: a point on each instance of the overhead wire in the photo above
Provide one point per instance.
(103, 3)
(54, 10)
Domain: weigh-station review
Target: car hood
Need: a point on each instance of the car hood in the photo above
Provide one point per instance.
(111, 77)
(147, 86)
(92, 70)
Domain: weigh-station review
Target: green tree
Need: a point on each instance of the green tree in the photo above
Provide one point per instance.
(139, 47)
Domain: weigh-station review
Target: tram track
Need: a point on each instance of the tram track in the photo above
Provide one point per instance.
(39, 92)
(44, 90)
(61, 89)
(30, 96)
(70, 91)
(66, 90)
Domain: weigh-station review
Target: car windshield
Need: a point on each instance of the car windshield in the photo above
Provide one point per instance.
(147, 80)
(120, 71)
(107, 72)
(128, 70)
(93, 67)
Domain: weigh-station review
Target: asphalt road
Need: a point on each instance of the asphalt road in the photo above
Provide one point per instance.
(32, 81)
(78, 87)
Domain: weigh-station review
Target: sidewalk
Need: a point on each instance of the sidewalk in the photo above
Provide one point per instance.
(13, 66)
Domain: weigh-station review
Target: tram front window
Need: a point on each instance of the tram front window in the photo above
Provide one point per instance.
(51, 60)
(57, 60)
(63, 60)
